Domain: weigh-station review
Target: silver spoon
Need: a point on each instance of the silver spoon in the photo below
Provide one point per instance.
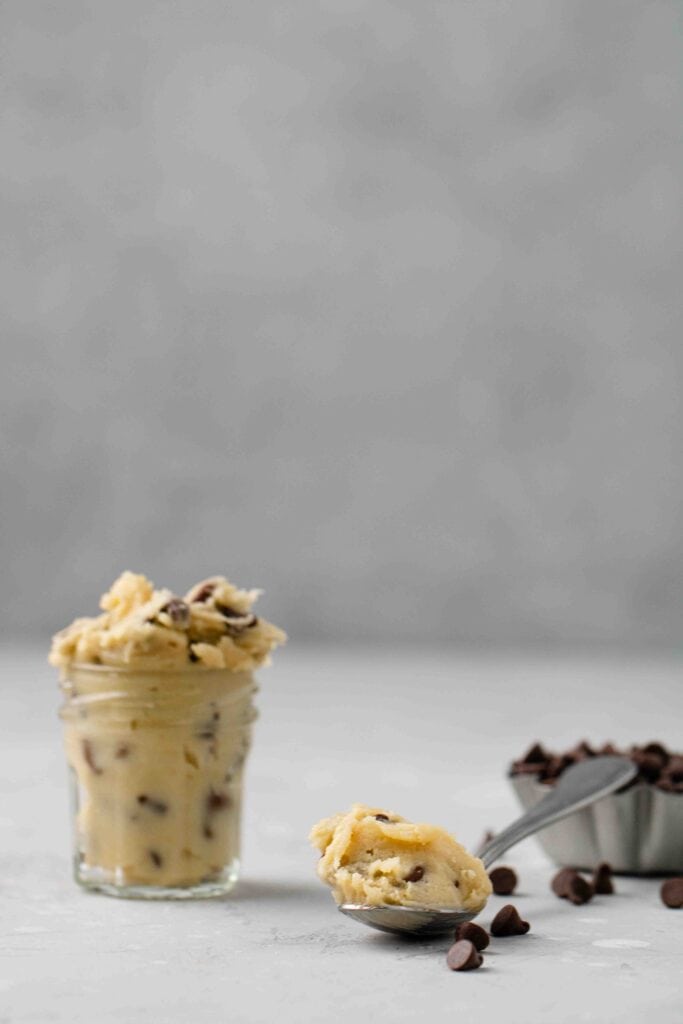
(578, 786)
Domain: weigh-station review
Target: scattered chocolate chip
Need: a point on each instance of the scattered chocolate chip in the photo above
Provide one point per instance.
(560, 881)
(568, 884)
(192, 656)
(463, 956)
(508, 922)
(602, 880)
(177, 611)
(671, 893)
(157, 806)
(579, 890)
(503, 880)
(474, 933)
(416, 874)
(89, 757)
(156, 858)
(203, 593)
(382, 817)
(122, 751)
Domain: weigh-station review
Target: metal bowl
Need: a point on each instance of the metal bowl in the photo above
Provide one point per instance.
(638, 831)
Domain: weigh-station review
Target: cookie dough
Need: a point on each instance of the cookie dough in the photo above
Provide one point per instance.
(212, 626)
(157, 725)
(374, 857)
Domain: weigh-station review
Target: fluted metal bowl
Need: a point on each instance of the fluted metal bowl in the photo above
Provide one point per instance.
(638, 831)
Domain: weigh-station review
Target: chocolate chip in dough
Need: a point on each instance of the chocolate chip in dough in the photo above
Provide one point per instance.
(508, 922)
(463, 956)
(503, 880)
(602, 880)
(89, 757)
(157, 806)
(416, 874)
(177, 611)
(474, 933)
(382, 817)
(156, 858)
(203, 593)
(671, 893)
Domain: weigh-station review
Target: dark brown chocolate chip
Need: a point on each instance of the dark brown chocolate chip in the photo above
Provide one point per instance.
(671, 893)
(560, 881)
(192, 656)
(508, 922)
(177, 611)
(382, 817)
(474, 933)
(150, 802)
(578, 890)
(89, 757)
(216, 801)
(535, 755)
(463, 956)
(122, 751)
(602, 880)
(568, 884)
(156, 858)
(416, 874)
(203, 594)
(503, 880)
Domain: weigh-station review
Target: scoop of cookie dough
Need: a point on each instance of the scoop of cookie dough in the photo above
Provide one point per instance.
(212, 626)
(374, 857)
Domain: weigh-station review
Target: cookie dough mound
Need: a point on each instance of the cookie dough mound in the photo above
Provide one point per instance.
(213, 626)
(374, 857)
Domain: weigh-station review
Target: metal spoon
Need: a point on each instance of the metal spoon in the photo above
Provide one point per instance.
(578, 786)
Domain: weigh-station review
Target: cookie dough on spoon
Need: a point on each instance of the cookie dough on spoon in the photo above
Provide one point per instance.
(376, 858)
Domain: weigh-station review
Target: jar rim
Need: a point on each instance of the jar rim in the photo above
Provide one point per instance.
(193, 668)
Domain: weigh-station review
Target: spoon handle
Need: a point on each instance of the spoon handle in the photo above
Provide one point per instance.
(577, 787)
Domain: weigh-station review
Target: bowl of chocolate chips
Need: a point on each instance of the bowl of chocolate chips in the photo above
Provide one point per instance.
(638, 830)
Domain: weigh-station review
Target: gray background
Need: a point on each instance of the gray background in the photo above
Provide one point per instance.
(374, 304)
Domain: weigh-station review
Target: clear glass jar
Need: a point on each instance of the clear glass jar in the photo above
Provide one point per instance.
(156, 760)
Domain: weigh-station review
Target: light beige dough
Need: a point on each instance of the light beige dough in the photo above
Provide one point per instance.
(157, 719)
(374, 857)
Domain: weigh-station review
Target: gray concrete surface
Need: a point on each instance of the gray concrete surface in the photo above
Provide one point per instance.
(374, 304)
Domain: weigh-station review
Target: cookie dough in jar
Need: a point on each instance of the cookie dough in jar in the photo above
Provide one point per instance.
(158, 711)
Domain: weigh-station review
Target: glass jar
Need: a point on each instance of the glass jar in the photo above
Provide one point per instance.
(156, 759)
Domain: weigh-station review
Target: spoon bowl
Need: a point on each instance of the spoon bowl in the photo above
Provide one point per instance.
(577, 787)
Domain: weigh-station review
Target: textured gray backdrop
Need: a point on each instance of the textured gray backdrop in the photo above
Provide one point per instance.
(374, 304)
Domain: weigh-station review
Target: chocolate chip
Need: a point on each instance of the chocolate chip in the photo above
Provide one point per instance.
(474, 933)
(156, 858)
(157, 806)
(382, 817)
(658, 749)
(535, 755)
(192, 656)
(671, 893)
(560, 881)
(122, 751)
(463, 956)
(177, 611)
(602, 880)
(89, 757)
(503, 881)
(203, 593)
(416, 874)
(217, 801)
(508, 922)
